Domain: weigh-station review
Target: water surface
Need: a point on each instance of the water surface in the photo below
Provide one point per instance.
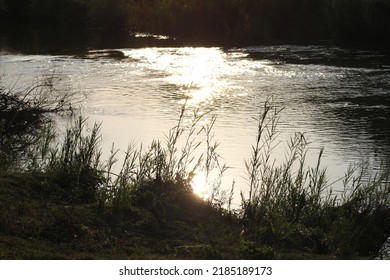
(338, 97)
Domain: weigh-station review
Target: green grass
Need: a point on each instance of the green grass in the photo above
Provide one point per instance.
(32, 228)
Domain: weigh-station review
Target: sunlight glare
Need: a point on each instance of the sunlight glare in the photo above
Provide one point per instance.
(198, 71)
(199, 185)
(195, 71)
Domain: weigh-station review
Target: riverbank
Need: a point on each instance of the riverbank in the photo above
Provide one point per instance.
(60, 200)
(56, 26)
(33, 228)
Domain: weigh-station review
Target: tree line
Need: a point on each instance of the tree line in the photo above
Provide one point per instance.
(351, 22)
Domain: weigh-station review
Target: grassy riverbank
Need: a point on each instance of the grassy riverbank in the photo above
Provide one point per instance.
(34, 228)
(60, 200)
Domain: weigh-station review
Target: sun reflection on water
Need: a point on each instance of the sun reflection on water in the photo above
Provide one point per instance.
(196, 71)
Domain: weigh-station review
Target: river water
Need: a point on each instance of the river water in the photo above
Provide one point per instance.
(338, 97)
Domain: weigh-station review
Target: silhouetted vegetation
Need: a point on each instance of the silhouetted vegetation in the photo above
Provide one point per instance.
(222, 22)
(61, 200)
(24, 117)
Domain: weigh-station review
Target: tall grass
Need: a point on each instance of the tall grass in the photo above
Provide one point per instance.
(290, 200)
(289, 204)
(171, 162)
(73, 167)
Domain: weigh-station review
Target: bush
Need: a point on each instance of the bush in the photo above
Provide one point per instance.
(24, 119)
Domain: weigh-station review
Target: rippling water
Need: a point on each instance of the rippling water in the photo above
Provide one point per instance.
(339, 98)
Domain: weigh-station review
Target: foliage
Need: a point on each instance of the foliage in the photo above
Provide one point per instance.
(235, 22)
(24, 118)
(250, 251)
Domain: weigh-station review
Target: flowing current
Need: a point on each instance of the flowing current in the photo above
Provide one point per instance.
(339, 98)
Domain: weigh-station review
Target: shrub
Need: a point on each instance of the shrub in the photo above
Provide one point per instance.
(25, 121)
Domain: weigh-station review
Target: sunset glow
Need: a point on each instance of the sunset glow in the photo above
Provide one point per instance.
(199, 185)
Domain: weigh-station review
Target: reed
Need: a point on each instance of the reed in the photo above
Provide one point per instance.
(172, 162)
(290, 200)
(73, 166)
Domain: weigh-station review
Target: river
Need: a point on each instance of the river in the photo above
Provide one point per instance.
(339, 98)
